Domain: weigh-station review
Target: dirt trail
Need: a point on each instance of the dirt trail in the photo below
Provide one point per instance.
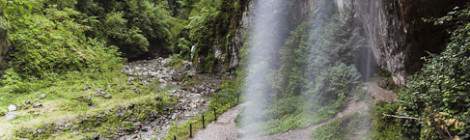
(379, 93)
(223, 129)
(305, 133)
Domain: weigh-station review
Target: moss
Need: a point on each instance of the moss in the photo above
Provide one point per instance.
(107, 123)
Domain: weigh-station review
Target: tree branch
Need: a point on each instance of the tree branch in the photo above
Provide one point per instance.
(401, 117)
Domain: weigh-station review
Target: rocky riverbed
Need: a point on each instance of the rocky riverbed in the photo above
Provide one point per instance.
(192, 92)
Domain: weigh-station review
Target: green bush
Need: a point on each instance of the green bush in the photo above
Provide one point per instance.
(51, 41)
(136, 27)
(336, 85)
(439, 94)
(383, 127)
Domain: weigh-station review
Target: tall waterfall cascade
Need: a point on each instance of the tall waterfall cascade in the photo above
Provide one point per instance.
(337, 45)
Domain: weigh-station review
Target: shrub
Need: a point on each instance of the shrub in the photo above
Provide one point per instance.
(51, 41)
(438, 95)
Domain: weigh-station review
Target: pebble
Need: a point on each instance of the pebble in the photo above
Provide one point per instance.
(37, 105)
(12, 108)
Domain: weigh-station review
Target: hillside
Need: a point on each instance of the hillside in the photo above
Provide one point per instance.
(234, 69)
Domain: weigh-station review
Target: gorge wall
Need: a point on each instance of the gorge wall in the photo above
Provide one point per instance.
(400, 35)
(397, 29)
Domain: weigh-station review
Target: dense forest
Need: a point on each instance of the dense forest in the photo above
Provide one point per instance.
(247, 69)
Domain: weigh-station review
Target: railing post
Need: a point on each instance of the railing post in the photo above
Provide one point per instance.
(191, 130)
(203, 121)
(215, 114)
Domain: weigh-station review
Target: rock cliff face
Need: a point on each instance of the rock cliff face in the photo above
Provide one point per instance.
(397, 32)
(399, 35)
(297, 11)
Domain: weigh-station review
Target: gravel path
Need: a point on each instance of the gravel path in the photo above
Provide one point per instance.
(223, 129)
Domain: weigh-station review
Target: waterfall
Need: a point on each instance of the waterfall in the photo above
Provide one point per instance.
(340, 54)
(337, 57)
(265, 40)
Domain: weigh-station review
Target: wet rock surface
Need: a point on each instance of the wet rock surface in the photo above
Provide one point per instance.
(192, 95)
(399, 35)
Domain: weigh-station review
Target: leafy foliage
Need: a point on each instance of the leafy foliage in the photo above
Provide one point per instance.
(439, 94)
(135, 26)
(47, 40)
(386, 128)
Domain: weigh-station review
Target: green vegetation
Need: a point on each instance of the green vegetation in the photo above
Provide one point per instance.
(61, 63)
(135, 26)
(434, 104)
(349, 127)
(65, 59)
(75, 103)
(331, 131)
(48, 41)
(104, 122)
(386, 128)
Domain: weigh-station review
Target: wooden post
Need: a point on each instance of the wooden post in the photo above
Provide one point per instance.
(140, 131)
(174, 137)
(238, 98)
(215, 114)
(203, 121)
(191, 130)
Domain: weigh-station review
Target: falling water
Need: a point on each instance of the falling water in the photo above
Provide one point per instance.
(336, 36)
(267, 36)
(265, 41)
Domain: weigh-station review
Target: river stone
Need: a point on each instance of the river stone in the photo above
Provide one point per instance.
(12, 108)
(37, 105)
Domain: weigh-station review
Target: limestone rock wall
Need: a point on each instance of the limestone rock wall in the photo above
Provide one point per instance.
(399, 35)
